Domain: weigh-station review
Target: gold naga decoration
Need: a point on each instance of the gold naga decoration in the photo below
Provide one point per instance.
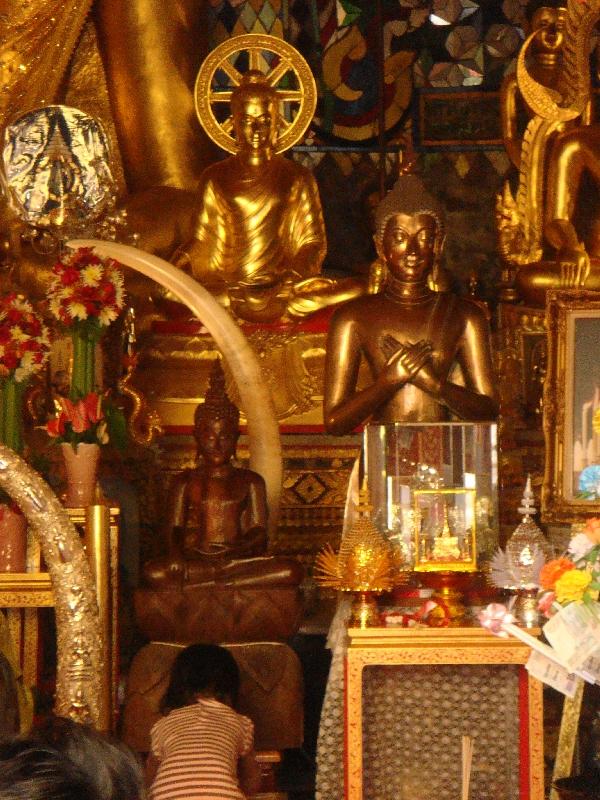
(80, 665)
(302, 100)
(364, 562)
(520, 219)
(143, 424)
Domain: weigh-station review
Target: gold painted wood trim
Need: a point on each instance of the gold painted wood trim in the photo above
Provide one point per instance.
(25, 590)
(567, 737)
(562, 307)
(415, 646)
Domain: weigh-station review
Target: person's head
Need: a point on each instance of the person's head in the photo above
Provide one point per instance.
(202, 670)
(254, 108)
(113, 769)
(33, 771)
(216, 422)
(409, 229)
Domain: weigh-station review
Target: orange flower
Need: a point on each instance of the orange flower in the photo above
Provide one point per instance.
(552, 571)
(592, 530)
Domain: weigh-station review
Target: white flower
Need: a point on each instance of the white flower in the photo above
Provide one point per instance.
(77, 310)
(91, 275)
(55, 305)
(579, 546)
(26, 368)
(17, 334)
(22, 304)
(107, 315)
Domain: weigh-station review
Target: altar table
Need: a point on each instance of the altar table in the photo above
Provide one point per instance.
(412, 693)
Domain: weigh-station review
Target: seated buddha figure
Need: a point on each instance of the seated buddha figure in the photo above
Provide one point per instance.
(217, 513)
(412, 337)
(258, 237)
(559, 154)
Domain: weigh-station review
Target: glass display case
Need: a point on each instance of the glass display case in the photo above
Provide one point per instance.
(434, 492)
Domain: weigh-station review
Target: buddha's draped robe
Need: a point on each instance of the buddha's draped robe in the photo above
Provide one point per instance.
(252, 223)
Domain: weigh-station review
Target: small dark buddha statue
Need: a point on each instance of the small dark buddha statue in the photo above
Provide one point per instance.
(217, 513)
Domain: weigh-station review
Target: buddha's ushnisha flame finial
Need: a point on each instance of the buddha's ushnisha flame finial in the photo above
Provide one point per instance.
(217, 404)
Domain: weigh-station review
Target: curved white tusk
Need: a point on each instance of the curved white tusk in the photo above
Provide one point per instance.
(263, 428)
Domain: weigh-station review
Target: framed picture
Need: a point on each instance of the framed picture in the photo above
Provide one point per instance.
(571, 405)
(450, 117)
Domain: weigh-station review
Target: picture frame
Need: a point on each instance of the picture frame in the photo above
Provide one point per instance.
(451, 117)
(571, 486)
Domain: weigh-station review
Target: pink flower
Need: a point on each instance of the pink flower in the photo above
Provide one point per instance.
(493, 617)
(579, 546)
(592, 530)
(545, 603)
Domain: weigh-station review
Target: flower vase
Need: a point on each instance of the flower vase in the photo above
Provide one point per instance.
(83, 375)
(81, 469)
(11, 413)
(13, 540)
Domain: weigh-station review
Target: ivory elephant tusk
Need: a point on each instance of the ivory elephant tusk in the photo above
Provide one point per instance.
(263, 428)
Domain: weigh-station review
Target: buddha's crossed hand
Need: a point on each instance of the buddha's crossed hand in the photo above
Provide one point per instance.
(404, 360)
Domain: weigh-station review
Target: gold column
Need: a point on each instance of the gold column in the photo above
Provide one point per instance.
(152, 50)
(97, 545)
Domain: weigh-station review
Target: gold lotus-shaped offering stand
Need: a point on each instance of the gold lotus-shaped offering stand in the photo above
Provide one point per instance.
(363, 566)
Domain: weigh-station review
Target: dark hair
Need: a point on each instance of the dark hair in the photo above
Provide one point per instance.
(111, 766)
(32, 771)
(202, 669)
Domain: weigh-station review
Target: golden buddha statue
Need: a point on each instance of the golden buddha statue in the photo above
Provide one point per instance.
(259, 227)
(217, 513)
(558, 146)
(547, 36)
(411, 336)
(258, 236)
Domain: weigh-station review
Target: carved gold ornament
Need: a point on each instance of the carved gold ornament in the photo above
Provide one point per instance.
(80, 664)
(364, 563)
(297, 105)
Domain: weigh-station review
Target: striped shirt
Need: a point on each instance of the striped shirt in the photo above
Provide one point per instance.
(198, 747)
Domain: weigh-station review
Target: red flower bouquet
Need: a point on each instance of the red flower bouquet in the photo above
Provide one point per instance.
(86, 289)
(90, 420)
(24, 339)
(86, 295)
(24, 349)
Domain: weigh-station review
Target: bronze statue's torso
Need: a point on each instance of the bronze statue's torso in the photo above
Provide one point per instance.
(441, 319)
(214, 507)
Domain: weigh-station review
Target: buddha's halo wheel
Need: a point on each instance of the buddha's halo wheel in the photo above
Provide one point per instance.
(297, 102)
